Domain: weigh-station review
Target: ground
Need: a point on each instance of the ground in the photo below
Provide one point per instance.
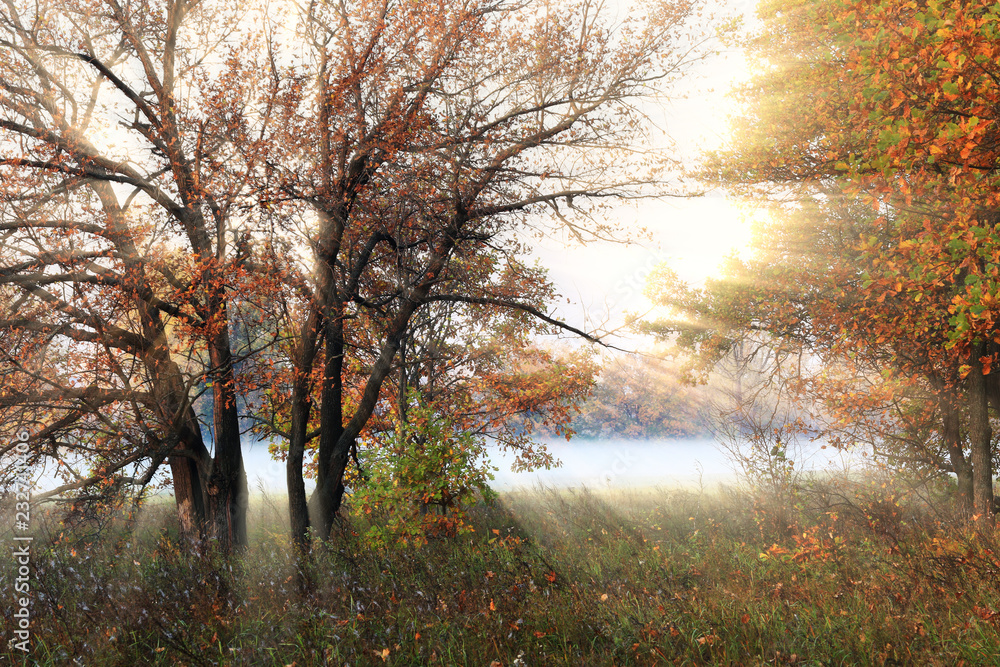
(832, 574)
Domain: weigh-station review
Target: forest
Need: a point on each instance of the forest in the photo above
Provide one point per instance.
(312, 224)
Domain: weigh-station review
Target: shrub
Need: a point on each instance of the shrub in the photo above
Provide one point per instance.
(417, 482)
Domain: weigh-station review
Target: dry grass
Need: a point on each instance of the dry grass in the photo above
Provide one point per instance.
(846, 576)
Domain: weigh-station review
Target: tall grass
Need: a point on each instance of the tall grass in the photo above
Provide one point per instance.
(847, 575)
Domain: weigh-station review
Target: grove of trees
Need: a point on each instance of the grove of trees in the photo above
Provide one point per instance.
(305, 222)
(643, 396)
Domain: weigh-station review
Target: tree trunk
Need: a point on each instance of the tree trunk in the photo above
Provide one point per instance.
(336, 437)
(325, 498)
(228, 492)
(189, 496)
(190, 462)
(963, 471)
(298, 509)
(301, 408)
(338, 456)
(980, 435)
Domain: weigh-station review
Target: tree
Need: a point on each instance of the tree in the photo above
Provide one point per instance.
(798, 299)
(175, 188)
(892, 182)
(420, 138)
(937, 164)
(464, 373)
(121, 196)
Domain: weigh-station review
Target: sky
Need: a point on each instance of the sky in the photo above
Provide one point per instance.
(603, 281)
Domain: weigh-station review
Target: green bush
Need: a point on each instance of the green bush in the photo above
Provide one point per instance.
(418, 482)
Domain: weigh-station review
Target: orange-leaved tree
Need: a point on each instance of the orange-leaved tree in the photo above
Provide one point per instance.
(869, 127)
(123, 203)
(422, 139)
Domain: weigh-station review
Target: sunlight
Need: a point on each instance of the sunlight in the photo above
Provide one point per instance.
(602, 283)
(699, 234)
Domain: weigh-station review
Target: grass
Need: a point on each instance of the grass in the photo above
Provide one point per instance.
(829, 576)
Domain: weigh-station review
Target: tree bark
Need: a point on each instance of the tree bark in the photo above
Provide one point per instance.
(301, 409)
(981, 435)
(190, 462)
(961, 466)
(325, 497)
(228, 492)
(188, 495)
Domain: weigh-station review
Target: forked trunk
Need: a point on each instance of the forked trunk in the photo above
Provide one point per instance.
(337, 438)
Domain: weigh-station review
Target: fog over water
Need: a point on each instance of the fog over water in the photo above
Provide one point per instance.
(644, 463)
(591, 463)
(620, 463)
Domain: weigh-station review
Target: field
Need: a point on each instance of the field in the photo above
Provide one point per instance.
(831, 575)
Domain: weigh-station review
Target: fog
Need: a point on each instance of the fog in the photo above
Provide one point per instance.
(620, 463)
(595, 464)
(592, 463)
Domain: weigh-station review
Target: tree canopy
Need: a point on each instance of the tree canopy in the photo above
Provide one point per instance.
(869, 131)
(289, 219)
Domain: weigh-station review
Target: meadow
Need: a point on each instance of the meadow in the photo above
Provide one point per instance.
(830, 574)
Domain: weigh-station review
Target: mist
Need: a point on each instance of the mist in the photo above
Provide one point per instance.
(597, 464)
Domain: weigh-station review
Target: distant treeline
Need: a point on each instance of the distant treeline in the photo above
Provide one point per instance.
(643, 397)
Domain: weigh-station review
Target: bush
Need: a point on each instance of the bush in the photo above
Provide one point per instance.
(418, 482)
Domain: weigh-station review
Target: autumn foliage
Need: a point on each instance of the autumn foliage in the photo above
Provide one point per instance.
(289, 220)
(870, 132)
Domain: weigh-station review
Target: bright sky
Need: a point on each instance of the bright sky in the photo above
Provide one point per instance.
(693, 235)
